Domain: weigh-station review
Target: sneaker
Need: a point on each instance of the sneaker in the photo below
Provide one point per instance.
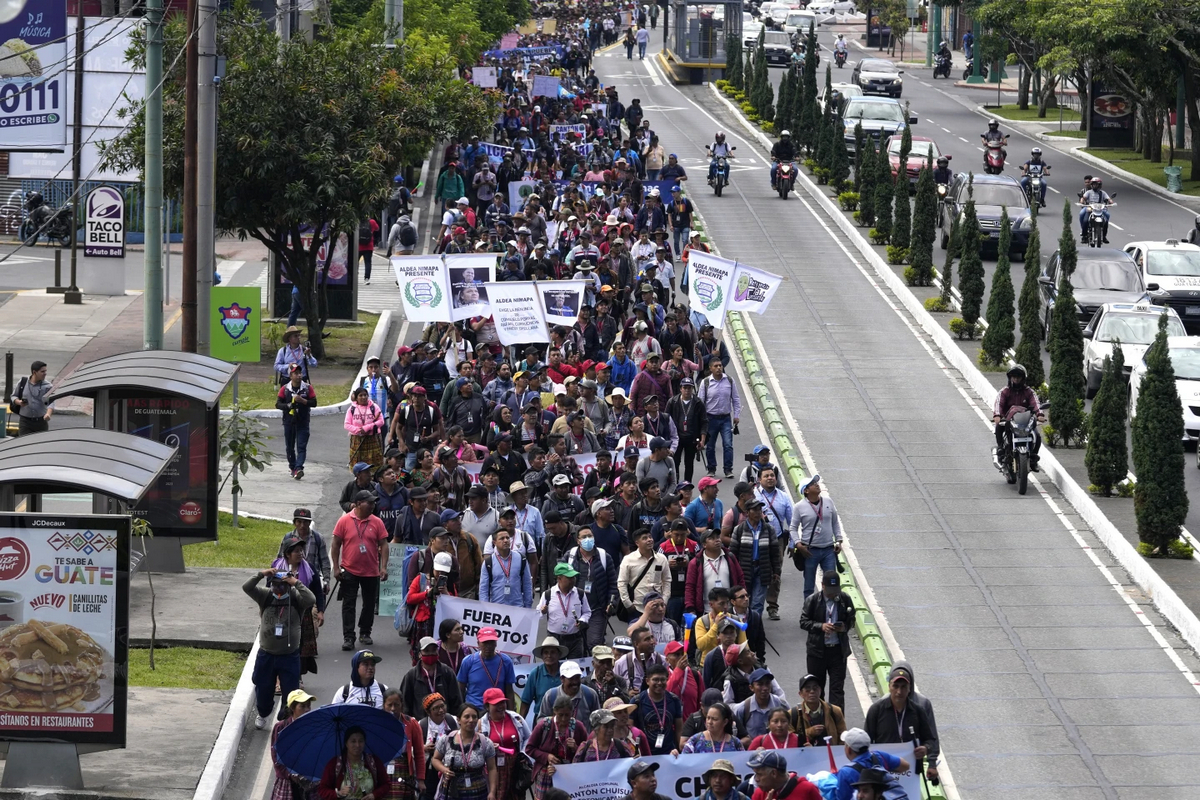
(368, 282)
(365, 638)
(773, 613)
(712, 473)
(293, 473)
(300, 473)
(348, 644)
(1034, 467)
(260, 723)
(728, 473)
(1104, 239)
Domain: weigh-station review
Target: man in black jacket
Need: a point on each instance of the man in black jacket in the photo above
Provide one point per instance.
(296, 399)
(918, 726)
(828, 616)
(691, 424)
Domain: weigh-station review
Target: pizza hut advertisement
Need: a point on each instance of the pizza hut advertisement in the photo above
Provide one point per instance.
(64, 622)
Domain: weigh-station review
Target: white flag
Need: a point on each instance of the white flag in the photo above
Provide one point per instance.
(424, 290)
(561, 301)
(711, 279)
(517, 312)
(753, 289)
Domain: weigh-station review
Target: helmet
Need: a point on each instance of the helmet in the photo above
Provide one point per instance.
(1097, 183)
(993, 124)
(1198, 220)
(1036, 152)
(943, 43)
(785, 133)
(841, 36)
(1017, 371)
(720, 137)
(943, 161)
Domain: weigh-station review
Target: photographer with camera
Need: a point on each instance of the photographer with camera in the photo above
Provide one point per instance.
(293, 352)
(282, 604)
(296, 399)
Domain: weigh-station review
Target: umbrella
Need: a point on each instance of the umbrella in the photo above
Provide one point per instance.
(309, 743)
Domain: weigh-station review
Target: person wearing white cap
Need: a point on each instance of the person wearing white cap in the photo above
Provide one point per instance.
(858, 750)
(584, 699)
(430, 675)
(562, 499)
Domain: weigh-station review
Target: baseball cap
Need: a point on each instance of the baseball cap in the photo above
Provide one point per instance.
(363, 495)
(900, 673)
(816, 478)
(487, 635)
(632, 451)
(674, 647)
(437, 532)
(561, 479)
(361, 466)
(623, 643)
(761, 674)
(419, 390)
(443, 562)
(810, 678)
(449, 514)
(651, 596)
(302, 513)
(658, 443)
(564, 570)
(367, 655)
(602, 716)
(640, 767)
(708, 481)
(477, 491)
(299, 696)
(830, 579)
(570, 669)
(856, 739)
(599, 504)
(687, 382)
(427, 641)
(494, 695)
(768, 759)
(602, 652)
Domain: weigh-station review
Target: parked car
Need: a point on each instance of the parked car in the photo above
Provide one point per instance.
(922, 148)
(993, 193)
(833, 7)
(1171, 270)
(1102, 275)
(1185, 360)
(1134, 325)
(881, 117)
(878, 76)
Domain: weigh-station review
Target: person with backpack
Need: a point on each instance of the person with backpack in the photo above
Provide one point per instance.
(919, 726)
(28, 402)
(857, 744)
(422, 597)
(282, 604)
(429, 676)
(363, 688)
(756, 547)
(598, 568)
(402, 238)
(296, 399)
(774, 781)
(567, 610)
(506, 578)
(367, 230)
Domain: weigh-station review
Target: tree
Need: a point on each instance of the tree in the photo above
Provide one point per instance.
(1029, 349)
(860, 143)
(733, 62)
(1160, 497)
(1107, 458)
(946, 301)
(810, 110)
(902, 211)
(1067, 382)
(924, 227)
(999, 336)
(311, 134)
(866, 186)
(839, 161)
(883, 196)
(970, 266)
(783, 108)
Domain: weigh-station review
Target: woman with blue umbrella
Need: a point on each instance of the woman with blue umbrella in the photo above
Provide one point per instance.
(355, 774)
(466, 761)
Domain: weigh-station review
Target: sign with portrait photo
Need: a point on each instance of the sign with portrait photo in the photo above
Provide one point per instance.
(467, 274)
(562, 300)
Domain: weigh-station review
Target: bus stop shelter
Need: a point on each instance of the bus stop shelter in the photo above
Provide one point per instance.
(695, 48)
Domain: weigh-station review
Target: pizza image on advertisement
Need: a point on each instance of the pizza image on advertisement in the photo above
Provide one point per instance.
(48, 667)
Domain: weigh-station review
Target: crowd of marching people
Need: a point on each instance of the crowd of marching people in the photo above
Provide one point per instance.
(474, 454)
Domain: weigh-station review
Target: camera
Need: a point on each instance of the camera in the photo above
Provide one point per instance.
(750, 458)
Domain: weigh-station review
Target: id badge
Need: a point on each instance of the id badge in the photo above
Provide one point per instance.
(499, 761)
(717, 583)
(507, 590)
(467, 781)
(658, 741)
(391, 768)
(587, 588)
(278, 629)
(362, 548)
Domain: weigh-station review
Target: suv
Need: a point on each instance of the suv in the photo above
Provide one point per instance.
(1102, 275)
(1134, 325)
(1171, 270)
(878, 76)
(881, 117)
(777, 46)
(992, 194)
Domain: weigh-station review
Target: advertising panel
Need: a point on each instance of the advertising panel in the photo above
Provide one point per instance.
(104, 223)
(64, 627)
(183, 501)
(33, 84)
(1111, 116)
(236, 324)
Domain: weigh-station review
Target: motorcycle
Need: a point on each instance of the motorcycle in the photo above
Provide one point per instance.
(983, 70)
(1018, 436)
(785, 179)
(1095, 222)
(943, 190)
(42, 220)
(1037, 177)
(839, 57)
(993, 157)
(721, 178)
(941, 67)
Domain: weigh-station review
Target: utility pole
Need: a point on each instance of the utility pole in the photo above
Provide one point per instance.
(72, 296)
(206, 148)
(152, 332)
(188, 288)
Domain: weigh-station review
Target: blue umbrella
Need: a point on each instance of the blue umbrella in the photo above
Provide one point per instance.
(309, 743)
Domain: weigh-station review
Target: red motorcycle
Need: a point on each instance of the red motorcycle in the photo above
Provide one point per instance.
(994, 155)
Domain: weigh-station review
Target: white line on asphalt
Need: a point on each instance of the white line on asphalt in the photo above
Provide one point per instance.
(947, 130)
(1115, 225)
(961, 139)
(265, 771)
(1056, 191)
(980, 149)
(931, 122)
(654, 77)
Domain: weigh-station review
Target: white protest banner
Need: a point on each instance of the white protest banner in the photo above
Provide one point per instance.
(424, 290)
(711, 281)
(563, 128)
(517, 312)
(484, 77)
(545, 86)
(517, 192)
(753, 289)
(517, 627)
(561, 301)
(467, 273)
(682, 778)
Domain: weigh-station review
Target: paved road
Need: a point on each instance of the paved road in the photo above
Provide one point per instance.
(1007, 606)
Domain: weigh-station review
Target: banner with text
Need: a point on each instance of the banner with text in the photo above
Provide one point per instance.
(484, 77)
(545, 86)
(467, 273)
(562, 300)
(711, 279)
(517, 312)
(753, 289)
(424, 289)
(517, 627)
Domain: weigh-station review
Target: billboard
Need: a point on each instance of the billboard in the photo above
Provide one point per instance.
(183, 501)
(1110, 112)
(104, 223)
(33, 78)
(64, 628)
(236, 313)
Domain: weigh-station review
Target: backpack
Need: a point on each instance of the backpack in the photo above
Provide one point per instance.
(408, 235)
(365, 235)
(402, 621)
(345, 693)
(487, 564)
(13, 408)
(893, 790)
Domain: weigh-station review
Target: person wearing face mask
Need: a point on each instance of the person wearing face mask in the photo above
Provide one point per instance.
(428, 677)
(597, 571)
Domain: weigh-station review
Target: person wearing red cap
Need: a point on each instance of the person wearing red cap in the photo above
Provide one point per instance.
(485, 669)
(509, 733)
(683, 681)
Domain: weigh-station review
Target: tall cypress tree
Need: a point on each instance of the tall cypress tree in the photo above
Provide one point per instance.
(810, 112)
(970, 266)
(783, 109)
(1067, 382)
(1160, 498)
(883, 196)
(860, 144)
(866, 186)
(924, 224)
(947, 276)
(1107, 458)
(839, 164)
(1029, 349)
(733, 61)
(902, 212)
(999, 335)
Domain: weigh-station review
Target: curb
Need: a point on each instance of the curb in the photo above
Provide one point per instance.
(257, 516)
(221, 759)
(375, 347)
(1144, 575)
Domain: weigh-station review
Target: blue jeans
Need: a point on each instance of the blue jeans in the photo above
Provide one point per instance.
(641, 50)
(826, 558)
(675, 609)
(1025, 186)
(1083, 220)
(681, 234)
(723, 424)
(295, 438)
(758, 586)
(652, 174)
(294, 314)
(629, 52)
(266, 669)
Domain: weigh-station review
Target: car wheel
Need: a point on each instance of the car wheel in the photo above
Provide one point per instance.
(945, 240)
(1093, 385)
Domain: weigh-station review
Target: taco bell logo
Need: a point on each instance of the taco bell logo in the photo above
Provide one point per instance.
(234, 320)
(105, 203)
(104, 223)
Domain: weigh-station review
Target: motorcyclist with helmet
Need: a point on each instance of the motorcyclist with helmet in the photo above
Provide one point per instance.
(1035, 160)
(719, 148)
(839, 46)
(1094, 194)
(1017, 395)
(942, 172)
(943, 50)
(994, 135)
(783, 151)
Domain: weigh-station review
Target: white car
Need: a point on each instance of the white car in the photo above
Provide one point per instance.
(776, 12)
(843, 90)
(1171, 270)
(799, 22)
(750, 33)
(1185, 360)
(1133, 325)
(833, 7)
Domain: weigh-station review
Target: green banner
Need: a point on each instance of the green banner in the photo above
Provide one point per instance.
(237, 323)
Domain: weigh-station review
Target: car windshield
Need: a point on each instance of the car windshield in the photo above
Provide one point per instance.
(867, 109)
(878, 65)
(1186, 362)
(995, 194)
(919, 152)
(1115, 276)
(800, 19)
(1135, 328)
(778, 37)
(1173, 262)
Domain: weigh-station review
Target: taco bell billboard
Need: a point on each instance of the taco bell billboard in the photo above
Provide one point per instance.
(104, 223)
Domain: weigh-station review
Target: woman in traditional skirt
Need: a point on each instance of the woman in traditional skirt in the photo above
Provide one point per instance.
(407, 769)
(364, 422)
(293, 561)
(554, 742)
(509, 732)
(466, 761)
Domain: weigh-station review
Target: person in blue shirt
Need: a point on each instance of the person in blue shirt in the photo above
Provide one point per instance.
(485, 669)
(506, 577)
(707, 510)
(544, 676)
(622, 367)
(858, 750)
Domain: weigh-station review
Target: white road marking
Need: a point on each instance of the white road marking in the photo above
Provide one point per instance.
(1115, 225)
(653, 72)
(931, 122)
(947, 130)
(1056, 191)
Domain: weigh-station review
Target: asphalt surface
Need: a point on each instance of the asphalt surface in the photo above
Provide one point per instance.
(1040, 657)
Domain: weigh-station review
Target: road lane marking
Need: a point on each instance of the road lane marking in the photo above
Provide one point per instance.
(1056, 191)
(1115, 225)
(653, 76)
(961, 139)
